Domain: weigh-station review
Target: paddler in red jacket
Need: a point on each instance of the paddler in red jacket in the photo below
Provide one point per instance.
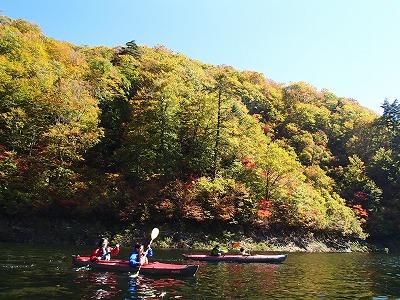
(103, 251)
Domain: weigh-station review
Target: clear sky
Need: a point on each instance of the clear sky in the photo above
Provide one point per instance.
(350, 47)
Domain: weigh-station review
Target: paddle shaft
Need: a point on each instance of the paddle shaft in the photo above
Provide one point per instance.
(87, 266)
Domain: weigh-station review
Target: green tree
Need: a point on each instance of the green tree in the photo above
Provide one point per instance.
(385, 165)
(360, 192)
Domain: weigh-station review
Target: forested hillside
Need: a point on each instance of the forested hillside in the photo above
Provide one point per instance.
(134, 134)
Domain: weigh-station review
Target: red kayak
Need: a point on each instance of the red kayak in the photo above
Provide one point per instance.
(152, 268)
(273, 258)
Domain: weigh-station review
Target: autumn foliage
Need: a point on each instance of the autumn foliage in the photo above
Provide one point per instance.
(147, 134)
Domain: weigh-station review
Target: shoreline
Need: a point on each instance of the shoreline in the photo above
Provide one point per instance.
(186, 236)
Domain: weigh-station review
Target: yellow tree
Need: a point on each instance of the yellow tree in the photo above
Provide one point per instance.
(50, 117)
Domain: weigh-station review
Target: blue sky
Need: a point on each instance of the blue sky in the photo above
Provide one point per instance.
(351, 47)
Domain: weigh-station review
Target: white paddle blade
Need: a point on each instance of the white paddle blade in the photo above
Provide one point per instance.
(154, 233)
(134, 275)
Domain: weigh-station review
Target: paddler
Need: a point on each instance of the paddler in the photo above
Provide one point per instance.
(216, 251)
(103, 251)
(138, 256)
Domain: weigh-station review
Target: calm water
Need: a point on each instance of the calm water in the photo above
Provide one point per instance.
(38, 272)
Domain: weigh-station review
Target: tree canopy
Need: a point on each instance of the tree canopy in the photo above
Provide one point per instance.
(135, 132)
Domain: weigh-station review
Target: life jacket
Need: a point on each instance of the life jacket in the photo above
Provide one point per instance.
(105, 253)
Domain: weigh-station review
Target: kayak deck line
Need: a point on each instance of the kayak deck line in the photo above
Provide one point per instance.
(152, 268)
(257, 258)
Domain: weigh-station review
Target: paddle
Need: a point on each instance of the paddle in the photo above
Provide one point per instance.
(154, 234)
(87, 266)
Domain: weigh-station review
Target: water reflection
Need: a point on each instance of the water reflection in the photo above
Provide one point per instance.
(341, 275)
(37, 272)
(144, 288)
(235, 280)
(96, 285)
(107, 285)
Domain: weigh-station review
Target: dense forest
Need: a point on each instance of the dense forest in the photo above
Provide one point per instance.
(134, 134)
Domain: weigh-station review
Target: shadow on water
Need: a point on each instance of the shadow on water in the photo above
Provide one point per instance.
(42, 272)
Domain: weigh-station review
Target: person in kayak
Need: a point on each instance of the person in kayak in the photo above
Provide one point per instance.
(244, 251)
(103, 251)
(139, 257)
(216, 251)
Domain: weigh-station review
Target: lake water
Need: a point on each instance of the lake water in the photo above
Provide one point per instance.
(46, 272)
